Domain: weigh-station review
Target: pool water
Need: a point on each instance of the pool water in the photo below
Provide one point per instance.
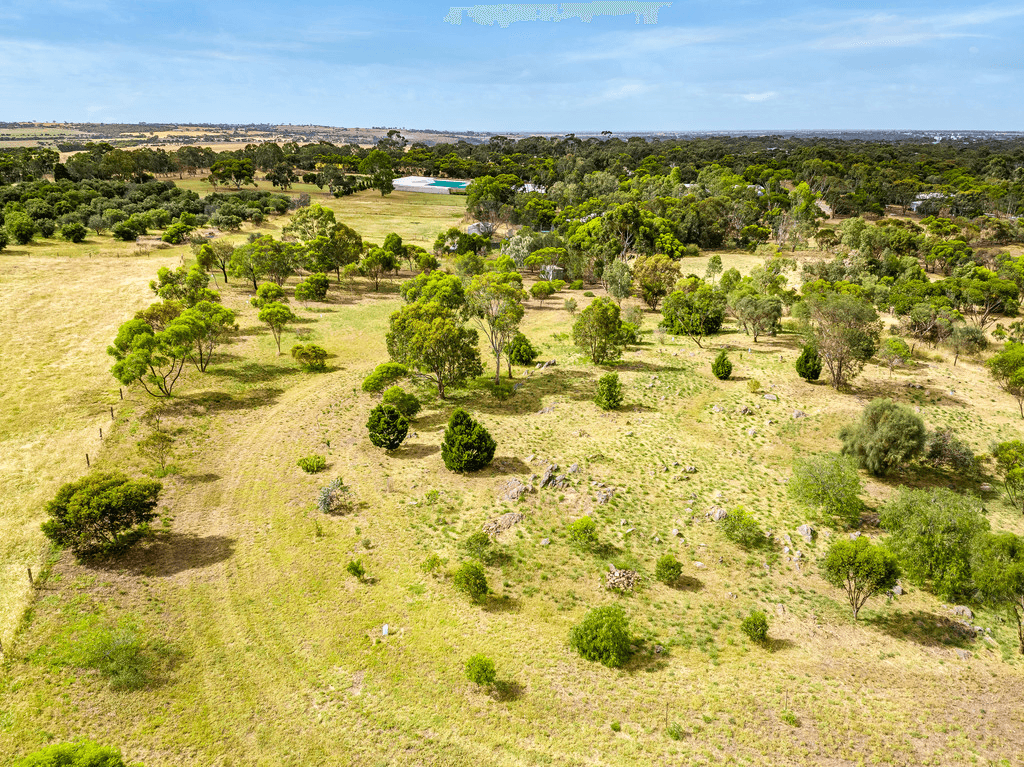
(451, 184)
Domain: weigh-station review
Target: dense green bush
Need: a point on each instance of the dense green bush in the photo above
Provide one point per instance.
(519, 351)
(576, 285)
(932, 533)
(609, 392)
(480, 670)
(808, 364)
(668, 569)
(312, 464)
(406, 404)
(84, 753)
(722, 367)
(74, 232)
(603, 636)
(4, 239)
(311, 357)
(122, 230)
(755, 626)
(100, 511)
(742, 529)
(387, 427)
(355, 569)
(332, 497)
(175, 234)
(471, 580)
(887, 436)
(313, 288)
(582, 532)
(829, 482)
(20, 227)
(466, 446)
(383, 376)
(943, 448)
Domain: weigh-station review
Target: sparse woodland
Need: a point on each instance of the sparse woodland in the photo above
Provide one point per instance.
(703, 452)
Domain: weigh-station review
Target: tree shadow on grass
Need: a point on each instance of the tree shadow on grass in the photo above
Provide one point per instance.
(924, 628)
(501, 604)
(203, 403)
(196, 479)
(412, 452)
(686, 583)
(779, 645)
(506, 691)
(254, 372)
(646, 657)
(169, 554)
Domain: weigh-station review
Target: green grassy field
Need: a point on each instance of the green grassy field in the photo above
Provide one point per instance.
(266, 652)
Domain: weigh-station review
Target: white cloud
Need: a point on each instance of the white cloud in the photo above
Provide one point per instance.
(638, 44)
(759, 96)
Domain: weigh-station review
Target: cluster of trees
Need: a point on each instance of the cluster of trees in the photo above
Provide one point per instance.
(127, 210)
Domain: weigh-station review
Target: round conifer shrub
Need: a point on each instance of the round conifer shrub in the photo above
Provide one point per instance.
(466, 446)
(471, 580)
(387, 426)
(480, 670)
(609, 392)
(602, 636)
(722, 367)
(520, 351)
(808, 364)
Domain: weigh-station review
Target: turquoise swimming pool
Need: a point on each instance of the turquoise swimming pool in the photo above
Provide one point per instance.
(450, 184)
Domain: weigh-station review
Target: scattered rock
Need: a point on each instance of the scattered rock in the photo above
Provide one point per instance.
(546, 410)
(744, 410)
(787, 539)
(545, 541)
(496, 527)
(676, 533)
(985, 487)
(658, 649)
(771, 397)
(962, 654)
(751, 432)
(716, 409)
(717, 514)
(798, 555)
(515, 489)
(529, 458)
(690, 469)
(574, 469)
(699, 565)
(798, 414)
(807, 532)
(623, 580)
(630, 530)
(553, 363)
(897, 590)
(780, 609)
(540, 366)
(656, 539)
(963, 612)
(550, 479)
(629, 434)
(854, 536)
(785, 549)
(605, 495)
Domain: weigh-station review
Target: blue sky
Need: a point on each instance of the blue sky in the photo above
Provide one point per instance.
(705, 65)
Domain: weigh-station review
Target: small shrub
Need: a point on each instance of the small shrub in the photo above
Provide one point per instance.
(589, 294)
(519, 351)
(312, 464)
(603, 636)
(355, 568)
(753, 386)
(742, 529)
(576, 285)
(84, 753)
(333, 496)
(829, 482)
(789, 718)
(480, 670)
(478, 545)
(808, 364)
(675, 731)
(311, 357)
(755, 626)
(119, 655)
(432, 564)
(943, 448)
(471, 580)
(467, 446)
(406, 404)
(609, 392)
(582, 532)
(668, 569)
(387, 427)
(722, 367)
(616, 727)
